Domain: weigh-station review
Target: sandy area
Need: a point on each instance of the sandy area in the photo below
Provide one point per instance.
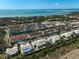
(71, 55)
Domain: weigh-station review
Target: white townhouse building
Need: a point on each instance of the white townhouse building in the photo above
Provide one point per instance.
(25, 48)
(12, 51)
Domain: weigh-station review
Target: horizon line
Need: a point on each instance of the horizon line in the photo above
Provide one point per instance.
(40, 8)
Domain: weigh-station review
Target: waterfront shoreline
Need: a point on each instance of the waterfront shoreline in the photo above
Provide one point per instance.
(34, 12)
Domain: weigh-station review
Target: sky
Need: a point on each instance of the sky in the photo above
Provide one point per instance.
(38, 4)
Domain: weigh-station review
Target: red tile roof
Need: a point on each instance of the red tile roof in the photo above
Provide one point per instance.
(20, 37)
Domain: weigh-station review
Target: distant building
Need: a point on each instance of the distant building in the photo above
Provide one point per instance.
(76, 31)
(20, 37)
(66, 34)
(25, 48)
(12, 51)
(53, 38)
